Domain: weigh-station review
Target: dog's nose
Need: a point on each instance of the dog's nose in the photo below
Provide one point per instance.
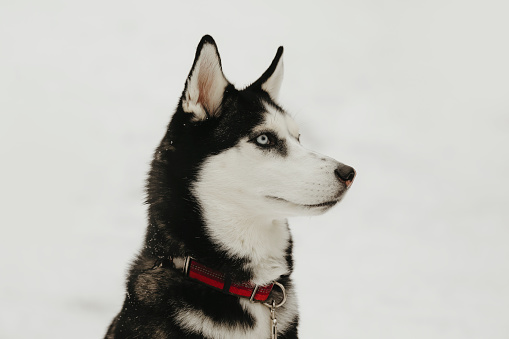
(345, 174)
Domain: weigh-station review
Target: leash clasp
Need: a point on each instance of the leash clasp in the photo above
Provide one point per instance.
(273, 306)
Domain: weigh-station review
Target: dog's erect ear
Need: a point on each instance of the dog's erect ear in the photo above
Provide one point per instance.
(271, 79)
(206, 82)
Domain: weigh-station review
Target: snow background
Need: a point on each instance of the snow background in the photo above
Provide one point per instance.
(413, 94)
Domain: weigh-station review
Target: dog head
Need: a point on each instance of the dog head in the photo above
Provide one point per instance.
(240, 148)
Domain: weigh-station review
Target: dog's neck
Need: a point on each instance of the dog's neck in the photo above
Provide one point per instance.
(262, 242)
(219, 230)
(224, 236)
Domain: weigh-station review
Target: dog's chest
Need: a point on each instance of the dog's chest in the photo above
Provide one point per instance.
(196, 321)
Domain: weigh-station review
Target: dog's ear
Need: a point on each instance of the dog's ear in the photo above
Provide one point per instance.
(271, 79)
(206, 82)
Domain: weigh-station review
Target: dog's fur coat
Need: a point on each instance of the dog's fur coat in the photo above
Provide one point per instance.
(227, 173)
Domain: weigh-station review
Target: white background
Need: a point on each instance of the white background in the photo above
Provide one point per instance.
(413, 94)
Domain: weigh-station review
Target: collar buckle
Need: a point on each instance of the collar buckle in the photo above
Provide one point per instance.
(187, 264)
(255, 289)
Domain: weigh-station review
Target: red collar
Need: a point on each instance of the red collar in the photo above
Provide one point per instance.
(222, 282)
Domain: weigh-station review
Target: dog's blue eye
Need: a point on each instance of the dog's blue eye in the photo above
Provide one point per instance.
(263, 139)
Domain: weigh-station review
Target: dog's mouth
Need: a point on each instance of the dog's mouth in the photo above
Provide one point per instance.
(320, 205)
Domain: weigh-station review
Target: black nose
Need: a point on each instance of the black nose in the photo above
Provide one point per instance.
(345, 174)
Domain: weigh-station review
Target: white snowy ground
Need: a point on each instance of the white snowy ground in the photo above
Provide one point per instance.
(413, 94)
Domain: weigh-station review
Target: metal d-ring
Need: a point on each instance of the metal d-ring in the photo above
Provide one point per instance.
(282, 302)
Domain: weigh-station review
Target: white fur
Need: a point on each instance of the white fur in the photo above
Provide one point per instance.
(234, 190)
(205, 86)
(234, 187)
(196, 321)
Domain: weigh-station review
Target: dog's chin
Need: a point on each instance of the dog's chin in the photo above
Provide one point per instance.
(305, 209)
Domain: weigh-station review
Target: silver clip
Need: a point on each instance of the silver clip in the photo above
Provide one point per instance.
(273, 306)
(273, 321)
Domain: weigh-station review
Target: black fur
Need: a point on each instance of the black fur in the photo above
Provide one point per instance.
(155, 290)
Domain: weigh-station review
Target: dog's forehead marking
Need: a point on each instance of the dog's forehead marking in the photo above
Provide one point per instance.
(281, 121)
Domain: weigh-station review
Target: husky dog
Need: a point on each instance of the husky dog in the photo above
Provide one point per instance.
(227, 174)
